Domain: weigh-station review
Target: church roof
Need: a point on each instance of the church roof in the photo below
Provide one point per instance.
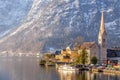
(102, 31)
(102, 25)
(87, 45)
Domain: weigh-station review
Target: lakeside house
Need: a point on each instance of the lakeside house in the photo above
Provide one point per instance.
(113, 56)
(64, 56)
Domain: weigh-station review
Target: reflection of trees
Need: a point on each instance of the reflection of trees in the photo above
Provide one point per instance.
(84, 76)
(95, 77)
(81, 76)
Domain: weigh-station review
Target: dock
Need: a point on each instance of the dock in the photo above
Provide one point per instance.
(97, 70)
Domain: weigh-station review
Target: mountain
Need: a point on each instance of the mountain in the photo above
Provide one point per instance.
(55, 24)
(12, 13)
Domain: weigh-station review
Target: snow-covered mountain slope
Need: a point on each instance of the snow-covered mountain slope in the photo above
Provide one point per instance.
(56, 23)
(12, 13)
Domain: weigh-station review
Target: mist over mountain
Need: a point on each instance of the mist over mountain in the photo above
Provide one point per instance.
(56, 23)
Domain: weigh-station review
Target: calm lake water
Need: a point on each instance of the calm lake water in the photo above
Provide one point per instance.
(29, 69)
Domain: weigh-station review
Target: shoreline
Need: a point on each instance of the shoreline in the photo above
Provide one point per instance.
(104, 71)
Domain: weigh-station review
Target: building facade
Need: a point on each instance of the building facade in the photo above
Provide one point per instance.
(113, 56)
(64, 56)
(92, 50)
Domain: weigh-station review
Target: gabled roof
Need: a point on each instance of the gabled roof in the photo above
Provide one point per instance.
(87, 45)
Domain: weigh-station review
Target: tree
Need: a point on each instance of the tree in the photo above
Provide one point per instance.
(94, 60)
(47, 56)
(78, 60)
(82, 57)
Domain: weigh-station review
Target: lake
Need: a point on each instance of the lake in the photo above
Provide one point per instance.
(29, 69)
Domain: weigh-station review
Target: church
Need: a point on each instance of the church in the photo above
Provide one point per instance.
(102, 41)
(98, 50)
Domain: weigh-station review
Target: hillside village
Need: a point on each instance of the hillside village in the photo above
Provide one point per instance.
(91, 48)
(67, 55)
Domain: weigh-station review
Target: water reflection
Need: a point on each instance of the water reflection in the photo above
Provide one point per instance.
(70, 75)
(86, 75)
(29, 69)
(102, 76)
(66, 75)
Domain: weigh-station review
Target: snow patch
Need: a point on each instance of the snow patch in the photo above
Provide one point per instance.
(93, 1)
(66, 0)
(89, 16)
(76, 3)
(109, 10)
(111, 25)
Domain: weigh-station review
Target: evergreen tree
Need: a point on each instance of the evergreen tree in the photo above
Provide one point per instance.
(82, 57)
(78, 61)
(94, 60)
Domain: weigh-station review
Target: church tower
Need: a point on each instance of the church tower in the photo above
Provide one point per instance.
(102, 41)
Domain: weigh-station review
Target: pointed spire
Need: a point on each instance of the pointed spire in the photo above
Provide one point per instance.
(102, 26)
(102, 31)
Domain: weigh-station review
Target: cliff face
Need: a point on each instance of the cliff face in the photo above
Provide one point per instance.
(56, 23)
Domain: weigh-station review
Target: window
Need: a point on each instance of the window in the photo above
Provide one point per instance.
(113, 55)
(103, 40)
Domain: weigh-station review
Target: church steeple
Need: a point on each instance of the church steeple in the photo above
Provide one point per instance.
(102, 26)
(102, 30)
(102, 40)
